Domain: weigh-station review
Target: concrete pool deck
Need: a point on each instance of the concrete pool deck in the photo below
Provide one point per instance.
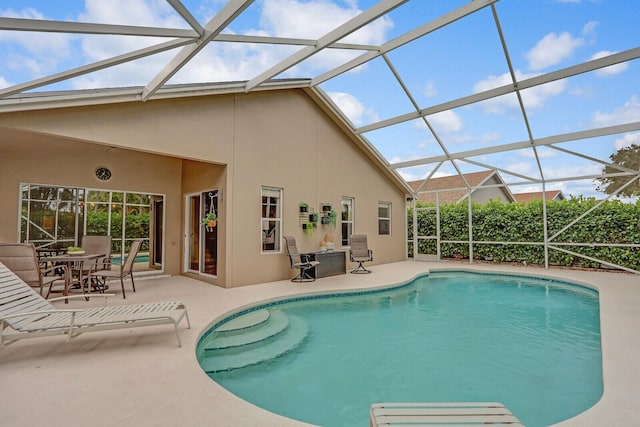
(139, 377)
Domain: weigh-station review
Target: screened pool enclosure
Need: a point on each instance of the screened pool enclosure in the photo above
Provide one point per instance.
(546, 94)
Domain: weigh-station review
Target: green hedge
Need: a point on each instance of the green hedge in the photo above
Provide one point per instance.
(611, 222)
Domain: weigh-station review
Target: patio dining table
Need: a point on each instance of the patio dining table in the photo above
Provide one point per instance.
(79, 260)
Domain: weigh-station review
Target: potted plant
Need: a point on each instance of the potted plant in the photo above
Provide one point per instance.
(313, 217)
(303, 206)
(75, 250)
(210, 220)
(326, 207)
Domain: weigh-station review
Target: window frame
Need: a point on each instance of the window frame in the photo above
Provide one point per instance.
(349, 201)
(277, 238)
(386, 205)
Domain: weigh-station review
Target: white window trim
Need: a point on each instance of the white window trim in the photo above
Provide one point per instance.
(352, 221)
(388, 205)
(279, 219)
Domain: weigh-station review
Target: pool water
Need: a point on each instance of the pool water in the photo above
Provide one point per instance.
(116, 260)
(531, 344)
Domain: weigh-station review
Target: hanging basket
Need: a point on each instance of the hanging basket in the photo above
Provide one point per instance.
(211, 224)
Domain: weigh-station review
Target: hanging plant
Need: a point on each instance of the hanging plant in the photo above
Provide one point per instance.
(304, 206)
(210, 220)
(308, 228)
(333, 217)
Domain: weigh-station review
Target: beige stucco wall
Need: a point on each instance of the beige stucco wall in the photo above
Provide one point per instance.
(274, 138)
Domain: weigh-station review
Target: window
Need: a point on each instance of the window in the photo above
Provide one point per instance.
(271, 219)
(347, 220)
(384, 218)
(58, 217)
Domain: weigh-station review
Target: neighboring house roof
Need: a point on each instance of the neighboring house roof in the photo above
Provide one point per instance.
(458, 187)
(551, 195)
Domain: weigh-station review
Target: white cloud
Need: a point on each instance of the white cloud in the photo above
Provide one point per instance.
(488, 138)
(534, 98)
(543, 153)
(612, 69)
(127, 12)
(430, 89)
(567, 171)
(627, 140)
(552, 49)
(4, 83)
(522, 168)
(446, 122)
(51, 49)
(589, 29)
(353, 108)
(313, 19)
(627, 113)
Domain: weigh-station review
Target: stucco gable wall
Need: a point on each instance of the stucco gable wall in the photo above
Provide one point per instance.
(285, 141)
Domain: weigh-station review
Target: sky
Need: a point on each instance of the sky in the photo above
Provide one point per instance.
(458, 60)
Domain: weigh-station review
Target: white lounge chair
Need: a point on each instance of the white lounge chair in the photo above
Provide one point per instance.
(30, 315)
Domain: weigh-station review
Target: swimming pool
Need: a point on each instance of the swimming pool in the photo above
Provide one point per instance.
(532, 344)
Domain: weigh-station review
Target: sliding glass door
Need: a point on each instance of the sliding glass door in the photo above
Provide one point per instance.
(202, 234)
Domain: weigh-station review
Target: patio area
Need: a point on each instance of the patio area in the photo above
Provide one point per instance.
(139, 377)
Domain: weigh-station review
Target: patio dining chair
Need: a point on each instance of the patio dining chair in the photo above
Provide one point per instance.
(22, 260)
(121, 272)
(302, 262)
(95, 245)
(360, 253)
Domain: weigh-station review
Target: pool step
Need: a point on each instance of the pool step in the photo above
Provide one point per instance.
(248, 320)
(217, 357)
(275, 323)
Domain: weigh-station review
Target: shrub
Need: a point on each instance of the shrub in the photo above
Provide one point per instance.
(613, 222)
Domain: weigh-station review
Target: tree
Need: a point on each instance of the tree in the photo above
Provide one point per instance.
(628, 157)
